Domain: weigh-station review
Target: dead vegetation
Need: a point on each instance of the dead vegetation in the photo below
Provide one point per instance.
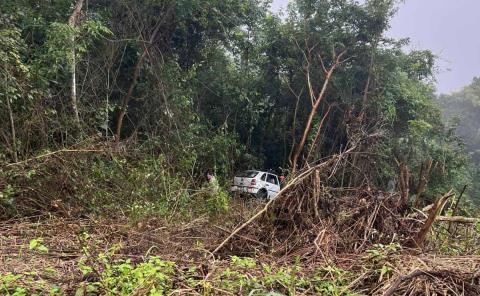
(407, 272)
(315, 220)
(380, 246)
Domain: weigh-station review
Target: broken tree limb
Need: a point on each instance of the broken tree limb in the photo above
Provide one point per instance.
(253, 218)
(454, 219)
(435, 211)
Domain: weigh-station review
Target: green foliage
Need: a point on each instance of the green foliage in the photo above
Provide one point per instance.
(123, 277)
(26, 284)
(215, 86)
(6, 196)
(281, 281)
(138, 187)
(37, 245)
(9, 285)
(381, 259)
(461, 109)
(152, 277)
(332, 281)
(380, 252)
(243, 262)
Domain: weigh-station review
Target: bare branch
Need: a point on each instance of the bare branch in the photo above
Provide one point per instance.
(325, 71)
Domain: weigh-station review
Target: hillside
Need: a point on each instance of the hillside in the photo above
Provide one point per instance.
(124, 122)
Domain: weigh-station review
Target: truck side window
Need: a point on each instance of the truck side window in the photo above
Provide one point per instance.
(263, 177)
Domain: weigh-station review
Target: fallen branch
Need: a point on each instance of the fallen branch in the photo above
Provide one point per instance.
(242, 236)
(394, 286)
(458, 219)
(53, 153)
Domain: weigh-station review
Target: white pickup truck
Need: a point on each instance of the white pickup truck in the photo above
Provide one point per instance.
(261, 184)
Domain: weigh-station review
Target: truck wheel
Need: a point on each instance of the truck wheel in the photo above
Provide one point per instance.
(262, 194)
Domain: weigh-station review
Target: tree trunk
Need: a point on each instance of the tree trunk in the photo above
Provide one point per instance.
(136, 74)
(422, 181)
(336, 61)
(73, 88)
(308, 125)
(404, 182)
(318, 133)
(366, 90)
(294, 123)
(72, 22)
(127, 97)
(12, 130)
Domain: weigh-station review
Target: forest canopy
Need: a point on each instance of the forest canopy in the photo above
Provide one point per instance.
(223, 86)
(461, 110)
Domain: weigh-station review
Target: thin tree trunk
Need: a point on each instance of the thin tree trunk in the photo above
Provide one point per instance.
(136, 74)
(404, 182)
(12, 130)
(308, 125)
(316, 193)
(361, 116)
(455, 208)
(318, 133)
(294, 124)
(127, 97)
(337, 60)
(72, 22)
(422, 181)
(73, 88)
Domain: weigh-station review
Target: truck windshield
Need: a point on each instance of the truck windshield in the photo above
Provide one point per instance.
(248, 174)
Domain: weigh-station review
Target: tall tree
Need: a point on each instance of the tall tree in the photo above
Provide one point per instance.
(72, 22)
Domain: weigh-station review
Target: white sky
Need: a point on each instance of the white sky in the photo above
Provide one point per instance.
(450, 28)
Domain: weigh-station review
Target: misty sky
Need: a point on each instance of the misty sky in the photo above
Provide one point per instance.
(450, 28)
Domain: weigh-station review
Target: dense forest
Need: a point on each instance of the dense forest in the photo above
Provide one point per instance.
(462, 112)
(113, 112)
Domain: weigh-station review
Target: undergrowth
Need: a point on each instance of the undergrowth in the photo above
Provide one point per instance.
(154, 276)
(106, 185)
